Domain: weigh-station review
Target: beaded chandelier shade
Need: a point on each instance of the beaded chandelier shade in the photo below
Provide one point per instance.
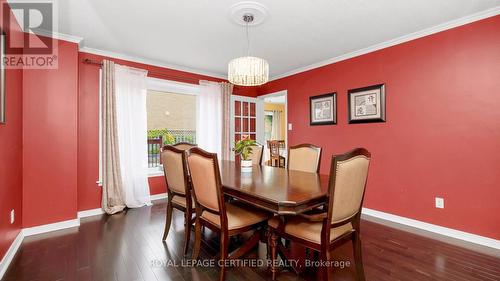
(248, 70)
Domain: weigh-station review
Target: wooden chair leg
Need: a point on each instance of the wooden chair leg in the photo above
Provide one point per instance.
(273, 242)
(268, 244)
(358, 259)
(325, 270)
(168, 221)
(187, 230)
(197, 239)
(224, 255)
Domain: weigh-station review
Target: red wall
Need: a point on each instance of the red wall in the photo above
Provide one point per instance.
(11, 155)
(442, 135)
(89, 194)
(442, 117)
(50, 140)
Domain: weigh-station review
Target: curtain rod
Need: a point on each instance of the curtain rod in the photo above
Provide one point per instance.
(155, 74)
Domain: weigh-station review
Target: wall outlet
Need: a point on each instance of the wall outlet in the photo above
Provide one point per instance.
(12, 216)
(289, 126)
(439, 203)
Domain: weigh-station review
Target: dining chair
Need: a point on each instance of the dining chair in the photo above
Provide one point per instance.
(323, 231)
(212, 211)
(178, 188)
(184, 145)
(256, 156)
(304, 157)
(275, 159)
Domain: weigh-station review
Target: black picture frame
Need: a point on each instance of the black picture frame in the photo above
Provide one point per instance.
(379, 91)
(332, 97)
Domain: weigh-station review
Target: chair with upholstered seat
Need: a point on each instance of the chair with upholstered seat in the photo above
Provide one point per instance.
(304, 157)
(228, 219)
(256, 155)
(184, 145)
(178, 188)
(323, 231)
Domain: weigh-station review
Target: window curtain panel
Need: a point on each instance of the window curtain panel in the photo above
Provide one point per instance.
(131, 91)
(112, 196)
(276, 125)
(209, 118)
(226, 92)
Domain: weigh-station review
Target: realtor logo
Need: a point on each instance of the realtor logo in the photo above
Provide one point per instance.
(29, 28)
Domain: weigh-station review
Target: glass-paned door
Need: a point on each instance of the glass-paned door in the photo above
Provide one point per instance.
(244, 119)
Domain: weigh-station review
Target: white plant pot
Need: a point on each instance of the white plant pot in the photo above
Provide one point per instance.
(246, 166)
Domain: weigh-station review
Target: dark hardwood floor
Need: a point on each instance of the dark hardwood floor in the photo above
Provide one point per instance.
(128, 247)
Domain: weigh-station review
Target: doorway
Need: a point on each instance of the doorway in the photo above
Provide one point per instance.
(275, 121)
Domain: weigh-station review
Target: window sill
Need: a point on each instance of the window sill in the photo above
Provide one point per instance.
(155, 172)
(152, 174)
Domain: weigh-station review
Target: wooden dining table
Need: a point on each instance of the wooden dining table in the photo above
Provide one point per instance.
(277, 190)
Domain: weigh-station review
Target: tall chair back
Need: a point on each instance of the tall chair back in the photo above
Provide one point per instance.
(184, 145)
(173, 160)
(304, 157)
(348, 174)
(205, 177)
(256, 156)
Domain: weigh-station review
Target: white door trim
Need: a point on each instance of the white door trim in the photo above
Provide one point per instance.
(261, 111)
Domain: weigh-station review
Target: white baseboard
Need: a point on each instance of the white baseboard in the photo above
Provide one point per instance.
(158, 196)
(51, 227)
(11, 252)
(100, 211)
(90, 213)
(457, 234)
(14, 247)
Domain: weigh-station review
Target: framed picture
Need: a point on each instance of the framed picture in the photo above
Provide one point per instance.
(323, 109)
(2, 77)
(367, 104)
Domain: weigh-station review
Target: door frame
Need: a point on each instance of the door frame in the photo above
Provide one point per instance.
(274, 94)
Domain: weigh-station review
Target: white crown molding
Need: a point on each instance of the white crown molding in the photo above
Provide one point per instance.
(158, 196)
(69, 38)
(90, 213)
(149, 62)
(59, 36)
(51, 227)
(449, 232)
(405, 38)
(11, 252)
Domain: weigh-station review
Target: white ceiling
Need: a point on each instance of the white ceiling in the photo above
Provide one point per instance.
(199, 35)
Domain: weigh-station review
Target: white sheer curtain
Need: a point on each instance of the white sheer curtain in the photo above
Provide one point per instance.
(209, 118)
(276, 125)
(131, 118)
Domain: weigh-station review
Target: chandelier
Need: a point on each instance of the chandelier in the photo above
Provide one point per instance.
(248, 70)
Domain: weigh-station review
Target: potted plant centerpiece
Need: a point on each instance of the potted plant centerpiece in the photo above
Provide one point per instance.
(243, 148)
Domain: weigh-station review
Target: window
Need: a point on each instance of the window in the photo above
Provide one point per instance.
(171, 109)
(171, 119)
